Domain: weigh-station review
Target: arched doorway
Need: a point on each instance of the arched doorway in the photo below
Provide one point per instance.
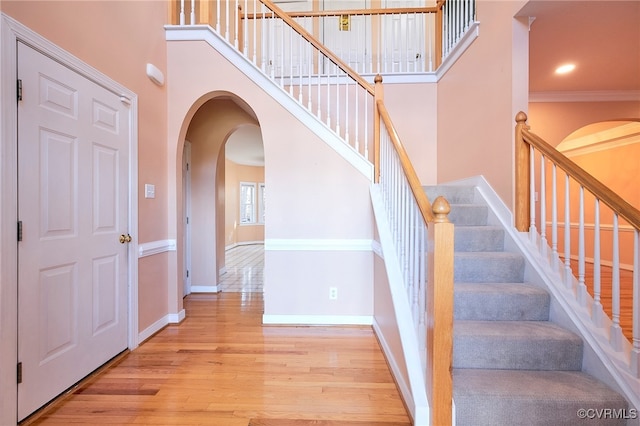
(205, 199)
(245, 199)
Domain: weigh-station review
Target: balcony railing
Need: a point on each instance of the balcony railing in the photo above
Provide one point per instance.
(370, 41)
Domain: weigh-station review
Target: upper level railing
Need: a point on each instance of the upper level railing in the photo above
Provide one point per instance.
(588, 233)
(370, 41)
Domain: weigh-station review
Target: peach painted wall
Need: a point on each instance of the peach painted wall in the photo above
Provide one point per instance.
(479, 97)
(413, 110)
(234, 232)
(100, 33)
(554, 121)
(208, 131)
(313, 193)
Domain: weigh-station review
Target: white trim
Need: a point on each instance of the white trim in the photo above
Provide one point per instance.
(415, 365)
(473, 32)
(403, 386)
(12, 32)
(160, 324)
(244, 243)
(207, 34)
(204, 289)
(274, 244)
(318, 319)
(376, 247)
(156, 247)
(586, 96)
(177, 318)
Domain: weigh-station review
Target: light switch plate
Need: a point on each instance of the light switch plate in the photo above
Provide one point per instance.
(149, 190)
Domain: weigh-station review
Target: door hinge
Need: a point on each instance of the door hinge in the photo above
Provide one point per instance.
(187, 220)
(19, 90)
(19, 230)
(19, 372)
(187, 273)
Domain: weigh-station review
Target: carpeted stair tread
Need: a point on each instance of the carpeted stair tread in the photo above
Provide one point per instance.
(523, 397)
(500, 302)
(525, 345)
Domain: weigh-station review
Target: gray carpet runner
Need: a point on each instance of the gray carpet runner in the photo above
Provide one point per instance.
(512, 366)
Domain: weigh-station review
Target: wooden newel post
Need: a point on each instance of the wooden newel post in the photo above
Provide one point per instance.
(523, 157)
(378, 96)
(440, 314)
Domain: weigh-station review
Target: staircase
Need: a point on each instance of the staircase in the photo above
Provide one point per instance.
(512, 365)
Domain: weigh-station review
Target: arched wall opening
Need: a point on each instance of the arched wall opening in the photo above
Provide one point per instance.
(212, 124)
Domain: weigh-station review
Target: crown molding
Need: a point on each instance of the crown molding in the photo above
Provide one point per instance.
(586, 96)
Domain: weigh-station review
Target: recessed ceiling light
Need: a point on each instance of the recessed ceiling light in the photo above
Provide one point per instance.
(566, 68)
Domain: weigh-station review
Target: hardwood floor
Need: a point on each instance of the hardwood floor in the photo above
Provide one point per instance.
(220, 366)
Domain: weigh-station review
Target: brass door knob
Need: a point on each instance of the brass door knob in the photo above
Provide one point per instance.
(124, 238)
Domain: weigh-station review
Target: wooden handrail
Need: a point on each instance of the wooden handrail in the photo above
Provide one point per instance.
(319, 46)
(597, 188)
(414, 183)
(326, 13)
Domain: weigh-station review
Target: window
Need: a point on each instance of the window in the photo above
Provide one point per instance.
(247, 202)
(252, 202)
(261, 202)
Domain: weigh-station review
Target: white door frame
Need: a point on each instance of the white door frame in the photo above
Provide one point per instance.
(186, 198)
(11, 31)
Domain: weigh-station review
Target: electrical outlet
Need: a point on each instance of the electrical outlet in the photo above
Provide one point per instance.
(333, 293)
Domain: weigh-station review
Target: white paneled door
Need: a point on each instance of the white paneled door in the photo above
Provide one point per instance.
(73, 178)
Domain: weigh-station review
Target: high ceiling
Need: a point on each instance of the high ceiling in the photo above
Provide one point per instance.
(602, 38)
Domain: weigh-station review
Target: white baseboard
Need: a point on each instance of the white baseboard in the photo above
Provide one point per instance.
(318, 319)
(204, 289)
(160, 324)
(243, 243)
(177, 318)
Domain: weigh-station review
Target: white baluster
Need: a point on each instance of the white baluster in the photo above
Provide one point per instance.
(218, 15)
(582, 288)
(543, 208)
(226, 28)
(182, 12)
(568, 276)
(255, 33)
(597, 311)
(533, 233)
(554, 217)
(192, 17)
(616, 337)
(346, 109)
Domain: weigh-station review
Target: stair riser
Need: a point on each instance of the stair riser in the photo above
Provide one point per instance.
(520, 354)
(500, 307)
(471, 268)
(473, 239)
(468, 215)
